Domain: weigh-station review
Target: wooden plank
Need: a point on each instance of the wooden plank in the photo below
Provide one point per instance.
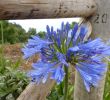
(36, 92)
(26, 9)
(101, 27)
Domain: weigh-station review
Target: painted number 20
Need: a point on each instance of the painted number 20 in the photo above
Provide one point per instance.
(103, 18)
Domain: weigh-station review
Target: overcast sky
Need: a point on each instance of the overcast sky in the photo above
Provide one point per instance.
(40, 24)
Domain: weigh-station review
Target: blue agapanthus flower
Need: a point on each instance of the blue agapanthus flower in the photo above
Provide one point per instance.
(64, 46)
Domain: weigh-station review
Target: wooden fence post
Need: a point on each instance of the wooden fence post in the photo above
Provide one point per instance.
(32, 9)
(101, 26)
(37, 92)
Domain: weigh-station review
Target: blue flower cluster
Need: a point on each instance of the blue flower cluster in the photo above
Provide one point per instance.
(64, 46)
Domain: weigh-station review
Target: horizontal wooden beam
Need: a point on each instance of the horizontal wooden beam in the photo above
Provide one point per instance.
(36, 9)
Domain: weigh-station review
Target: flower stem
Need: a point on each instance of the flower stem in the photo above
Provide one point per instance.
(66, 84)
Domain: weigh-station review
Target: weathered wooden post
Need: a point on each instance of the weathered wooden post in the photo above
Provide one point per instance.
(101, 26)
(30, 9)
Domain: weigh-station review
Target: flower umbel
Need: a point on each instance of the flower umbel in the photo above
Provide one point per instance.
(64, 46)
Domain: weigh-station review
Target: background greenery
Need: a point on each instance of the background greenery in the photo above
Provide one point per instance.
(107, 85)
(12, 80)
(14, 33)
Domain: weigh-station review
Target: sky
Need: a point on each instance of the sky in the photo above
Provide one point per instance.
(40, 24)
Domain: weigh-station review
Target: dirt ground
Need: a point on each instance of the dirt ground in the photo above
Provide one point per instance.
(14, 53)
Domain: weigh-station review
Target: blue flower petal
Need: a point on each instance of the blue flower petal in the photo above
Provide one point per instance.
(67, 27)
(41, 71)
(87, 85)
(83, 32)
(91, 73)
(34, 46)
(74, 30)
(62, 58)
(28, 52)
(58, 74)
(73, 49)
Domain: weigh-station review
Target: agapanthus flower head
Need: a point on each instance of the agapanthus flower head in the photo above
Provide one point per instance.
(64, 46)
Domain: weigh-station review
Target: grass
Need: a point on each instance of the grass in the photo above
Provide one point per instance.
(12, 80)
(107, 85)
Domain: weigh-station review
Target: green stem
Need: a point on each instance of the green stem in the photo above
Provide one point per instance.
(66, 84)
(61, 89)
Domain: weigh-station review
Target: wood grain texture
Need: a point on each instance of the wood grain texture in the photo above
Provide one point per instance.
(37, 92)
(32, 9)
(94, 94)
(101, 27)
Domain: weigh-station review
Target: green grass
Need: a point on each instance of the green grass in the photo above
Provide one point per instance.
(12, 80)
(107, 85)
